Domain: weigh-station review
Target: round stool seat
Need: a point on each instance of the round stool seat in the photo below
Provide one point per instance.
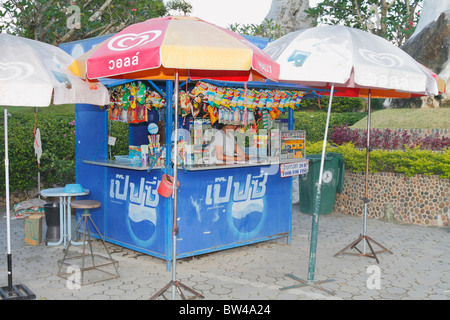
(85, 204)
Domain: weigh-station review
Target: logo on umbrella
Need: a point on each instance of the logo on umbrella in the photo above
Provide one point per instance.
(132, 40)
(298, 57)
(15, 70)
(383, 59)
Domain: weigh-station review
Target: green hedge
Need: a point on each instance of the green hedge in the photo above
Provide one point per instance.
(409, 162)
(314, 122)
(58, 150)
(340, 104)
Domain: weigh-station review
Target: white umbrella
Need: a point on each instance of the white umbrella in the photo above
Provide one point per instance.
(33, 74)
(352, 63)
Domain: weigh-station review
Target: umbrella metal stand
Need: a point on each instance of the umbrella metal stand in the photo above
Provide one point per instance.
(174, 283)
(315, 220)
(364, 237)
(20, 291)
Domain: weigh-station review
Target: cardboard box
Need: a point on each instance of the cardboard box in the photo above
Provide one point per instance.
(33, 229)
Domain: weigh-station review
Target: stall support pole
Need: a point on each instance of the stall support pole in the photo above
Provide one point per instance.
(315, 219)
(174, 283)
(364, 237)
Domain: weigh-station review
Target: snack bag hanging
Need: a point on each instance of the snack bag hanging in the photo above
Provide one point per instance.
(185, 103)
(200, 88)
(299, 99)
(274, 113)
(219, 96)
(227, 97)
(141, 111)
(251, 96)
(257, 98)
(241, 98)
(292, 100)
(113, 112)
(132, 97)
(284, 96)
(276, 99)
(126, 97)
(141, 93)
(148, 100)
(234, 101)
(263, 99)
(213, 114)
(211, 94)
(269, 101)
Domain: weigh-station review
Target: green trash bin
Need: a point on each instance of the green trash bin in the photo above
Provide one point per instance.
(330, 182)
(341, 170)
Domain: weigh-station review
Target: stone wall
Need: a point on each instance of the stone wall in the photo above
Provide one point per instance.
(420, 199)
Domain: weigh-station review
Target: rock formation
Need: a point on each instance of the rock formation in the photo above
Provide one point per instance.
(430, 45)
(290, 14)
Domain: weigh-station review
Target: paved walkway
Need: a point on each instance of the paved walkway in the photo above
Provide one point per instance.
(417, 269)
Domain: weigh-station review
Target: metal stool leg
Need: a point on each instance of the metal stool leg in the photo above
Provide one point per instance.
(85, 218)
(68, 246)
(104, 244)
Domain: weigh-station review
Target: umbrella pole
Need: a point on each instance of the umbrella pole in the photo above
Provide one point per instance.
(364, 237)
(20, 291)
(315, 218)
(174, 283)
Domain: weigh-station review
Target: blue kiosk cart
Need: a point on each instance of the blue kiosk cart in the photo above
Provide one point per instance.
(219, 206)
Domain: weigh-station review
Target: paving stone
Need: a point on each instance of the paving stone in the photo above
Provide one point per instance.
(417, 269)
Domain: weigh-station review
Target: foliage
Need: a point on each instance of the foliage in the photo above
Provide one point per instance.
(339, 104)
(314, 122)
(58, 145)
(267, 29)
(180, 5)
(388, 139)
(119, 130)
(410, 161)
(393, 20)
(56, 21)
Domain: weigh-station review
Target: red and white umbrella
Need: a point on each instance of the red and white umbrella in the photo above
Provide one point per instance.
(156, 48)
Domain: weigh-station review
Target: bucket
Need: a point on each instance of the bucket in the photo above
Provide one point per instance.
(165, 188)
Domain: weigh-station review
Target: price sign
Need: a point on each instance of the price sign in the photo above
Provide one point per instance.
(294, 169)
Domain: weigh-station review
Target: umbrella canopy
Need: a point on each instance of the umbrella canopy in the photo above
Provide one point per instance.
(353, 61)
(154, 49)
(32, 73)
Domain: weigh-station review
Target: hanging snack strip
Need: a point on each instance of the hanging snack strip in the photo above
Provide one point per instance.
(129, 103)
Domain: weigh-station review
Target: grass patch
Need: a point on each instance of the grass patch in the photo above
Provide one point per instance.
(407, 119)
(54, 109)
